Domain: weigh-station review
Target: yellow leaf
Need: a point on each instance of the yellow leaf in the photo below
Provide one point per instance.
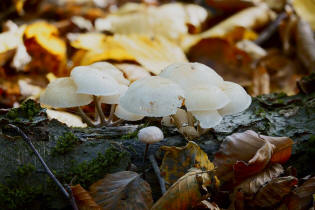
(178, 160)
(186, 192)
(306, 10)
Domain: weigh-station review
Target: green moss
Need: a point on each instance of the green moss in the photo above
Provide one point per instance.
(260, 112)
(65, 143)
(134, 134)
(27, 110)
(87, 173)
(18, 193)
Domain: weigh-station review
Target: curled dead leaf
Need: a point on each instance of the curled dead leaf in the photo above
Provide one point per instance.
(274, 191)
(187, 192)
(83, 199)
(122, 190)
(178, 160)
(302, 196)
(260, 151)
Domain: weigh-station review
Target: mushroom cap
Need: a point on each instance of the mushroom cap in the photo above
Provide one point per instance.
(153, 96)
(239, 99)
(125, 115)
(205, 97)
(207, 119)
(62, 93)
(94, 82)
(112, 71)
(150, 135)
(188, 75)
(114, 99)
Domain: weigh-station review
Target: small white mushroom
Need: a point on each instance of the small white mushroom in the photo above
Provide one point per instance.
(153, 96)
(61, 93)
(205, 97)
(188, 75)
(125, 115)
(150, 135)
(95, 82)
(239, 99)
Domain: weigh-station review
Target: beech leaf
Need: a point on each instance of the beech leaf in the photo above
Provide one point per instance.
(83, 199)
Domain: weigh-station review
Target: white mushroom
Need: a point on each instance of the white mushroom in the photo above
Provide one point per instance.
(205, 97)
(239, 99)
(207, 119)
(125, 115)
(61, 93)
(95, 82)
(150, 135)
(188, 75)
(153, 97)
(112, 71)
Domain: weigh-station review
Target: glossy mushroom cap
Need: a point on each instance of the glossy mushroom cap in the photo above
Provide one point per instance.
(239, 99)
(153, 97)
(62, 93)
(125, 115)
(150, 135)
(188, 75)
(112, 71)
(114, 99)
(94, 82)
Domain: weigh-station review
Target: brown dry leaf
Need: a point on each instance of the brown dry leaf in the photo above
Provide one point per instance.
(186, 192)
(178, 160)
(274, 191)
(305, 44)
(302, 196)
(83, 199)
(230, 62)
(67, 118)
(261, 82)
(252, 184)
(133, 72)
(206, 205)
(43, 43)
(250, 18)
(122, 190)
(283, 71)
(260, 150)
(306, 10)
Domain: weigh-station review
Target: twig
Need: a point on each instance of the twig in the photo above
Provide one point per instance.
(48, 171)
(270, 30)
(157, 173)
(85, 118)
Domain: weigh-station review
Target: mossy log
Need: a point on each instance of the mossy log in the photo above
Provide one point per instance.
(84, 155)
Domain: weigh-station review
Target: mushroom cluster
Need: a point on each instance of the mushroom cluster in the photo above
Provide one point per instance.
(202, 94)
(100, 82)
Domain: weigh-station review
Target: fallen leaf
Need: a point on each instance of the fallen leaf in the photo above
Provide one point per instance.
(260, 150)
(274, 191)
(178, 160)
(305, 43)
(252, 184)
(83, 199)
(153, 53)
(250, 18)
(69, 119)
(133, 72)
(206, 205)
(44, 45)
(305, 9)
(186, 192)
(261, 81)
(168, 20)
(122, 190)
(302, 196)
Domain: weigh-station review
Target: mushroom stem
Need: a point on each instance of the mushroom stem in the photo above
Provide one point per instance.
(157, 173)
(117, 122)
(146, 152)
(99, 110)
(85, 117)
(111, 114)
